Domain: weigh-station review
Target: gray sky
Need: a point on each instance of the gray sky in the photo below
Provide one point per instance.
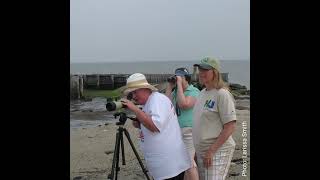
(156, 30)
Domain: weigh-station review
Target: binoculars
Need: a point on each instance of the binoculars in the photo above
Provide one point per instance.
(172, 79)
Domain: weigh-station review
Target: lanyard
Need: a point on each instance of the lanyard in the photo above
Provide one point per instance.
(178, 111)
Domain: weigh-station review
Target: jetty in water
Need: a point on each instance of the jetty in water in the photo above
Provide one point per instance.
(78, 82)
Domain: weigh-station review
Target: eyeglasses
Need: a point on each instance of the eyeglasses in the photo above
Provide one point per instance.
(134, 92)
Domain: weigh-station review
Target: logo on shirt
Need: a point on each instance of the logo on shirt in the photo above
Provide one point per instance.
(209, 104)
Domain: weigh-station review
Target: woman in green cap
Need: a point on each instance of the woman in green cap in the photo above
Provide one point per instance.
(214, 121)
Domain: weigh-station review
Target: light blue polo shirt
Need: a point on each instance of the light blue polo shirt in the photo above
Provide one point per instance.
(186, 115)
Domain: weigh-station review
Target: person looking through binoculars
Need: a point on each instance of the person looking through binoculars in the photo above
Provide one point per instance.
(160, 135)
(184, 97)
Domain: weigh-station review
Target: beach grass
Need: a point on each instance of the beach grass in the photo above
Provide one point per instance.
(92, 93)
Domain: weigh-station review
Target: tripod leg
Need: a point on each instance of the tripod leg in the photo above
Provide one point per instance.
(118, 152)
(115, 159)
(136, 153)
(122, 148)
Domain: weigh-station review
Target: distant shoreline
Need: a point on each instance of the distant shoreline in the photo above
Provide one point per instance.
(239, 70)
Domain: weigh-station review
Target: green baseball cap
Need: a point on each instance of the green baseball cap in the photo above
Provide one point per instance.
(209, 63)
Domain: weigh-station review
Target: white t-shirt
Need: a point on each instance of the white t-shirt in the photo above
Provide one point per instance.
(165, 153)
(212, 110)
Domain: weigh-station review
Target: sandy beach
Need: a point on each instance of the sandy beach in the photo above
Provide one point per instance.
(91, 150)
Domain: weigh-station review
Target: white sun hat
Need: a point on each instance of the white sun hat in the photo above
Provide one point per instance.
(137, 81)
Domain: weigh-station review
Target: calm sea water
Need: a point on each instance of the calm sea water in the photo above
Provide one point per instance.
(239, 70)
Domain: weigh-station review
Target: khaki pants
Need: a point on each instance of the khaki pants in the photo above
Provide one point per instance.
(220, 165)
(188, 141)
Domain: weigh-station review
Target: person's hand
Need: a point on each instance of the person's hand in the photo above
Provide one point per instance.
(207, 159)
(179, 79)
(136, 124)
(130, 105)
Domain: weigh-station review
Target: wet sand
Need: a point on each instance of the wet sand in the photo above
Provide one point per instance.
(91, 150)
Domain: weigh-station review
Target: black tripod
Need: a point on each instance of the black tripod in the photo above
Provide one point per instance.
(119, 142)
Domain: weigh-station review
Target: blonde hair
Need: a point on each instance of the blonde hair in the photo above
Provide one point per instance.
(218, 81)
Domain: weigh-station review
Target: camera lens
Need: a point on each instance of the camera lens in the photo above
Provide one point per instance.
(111, 106)
(114, 105)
